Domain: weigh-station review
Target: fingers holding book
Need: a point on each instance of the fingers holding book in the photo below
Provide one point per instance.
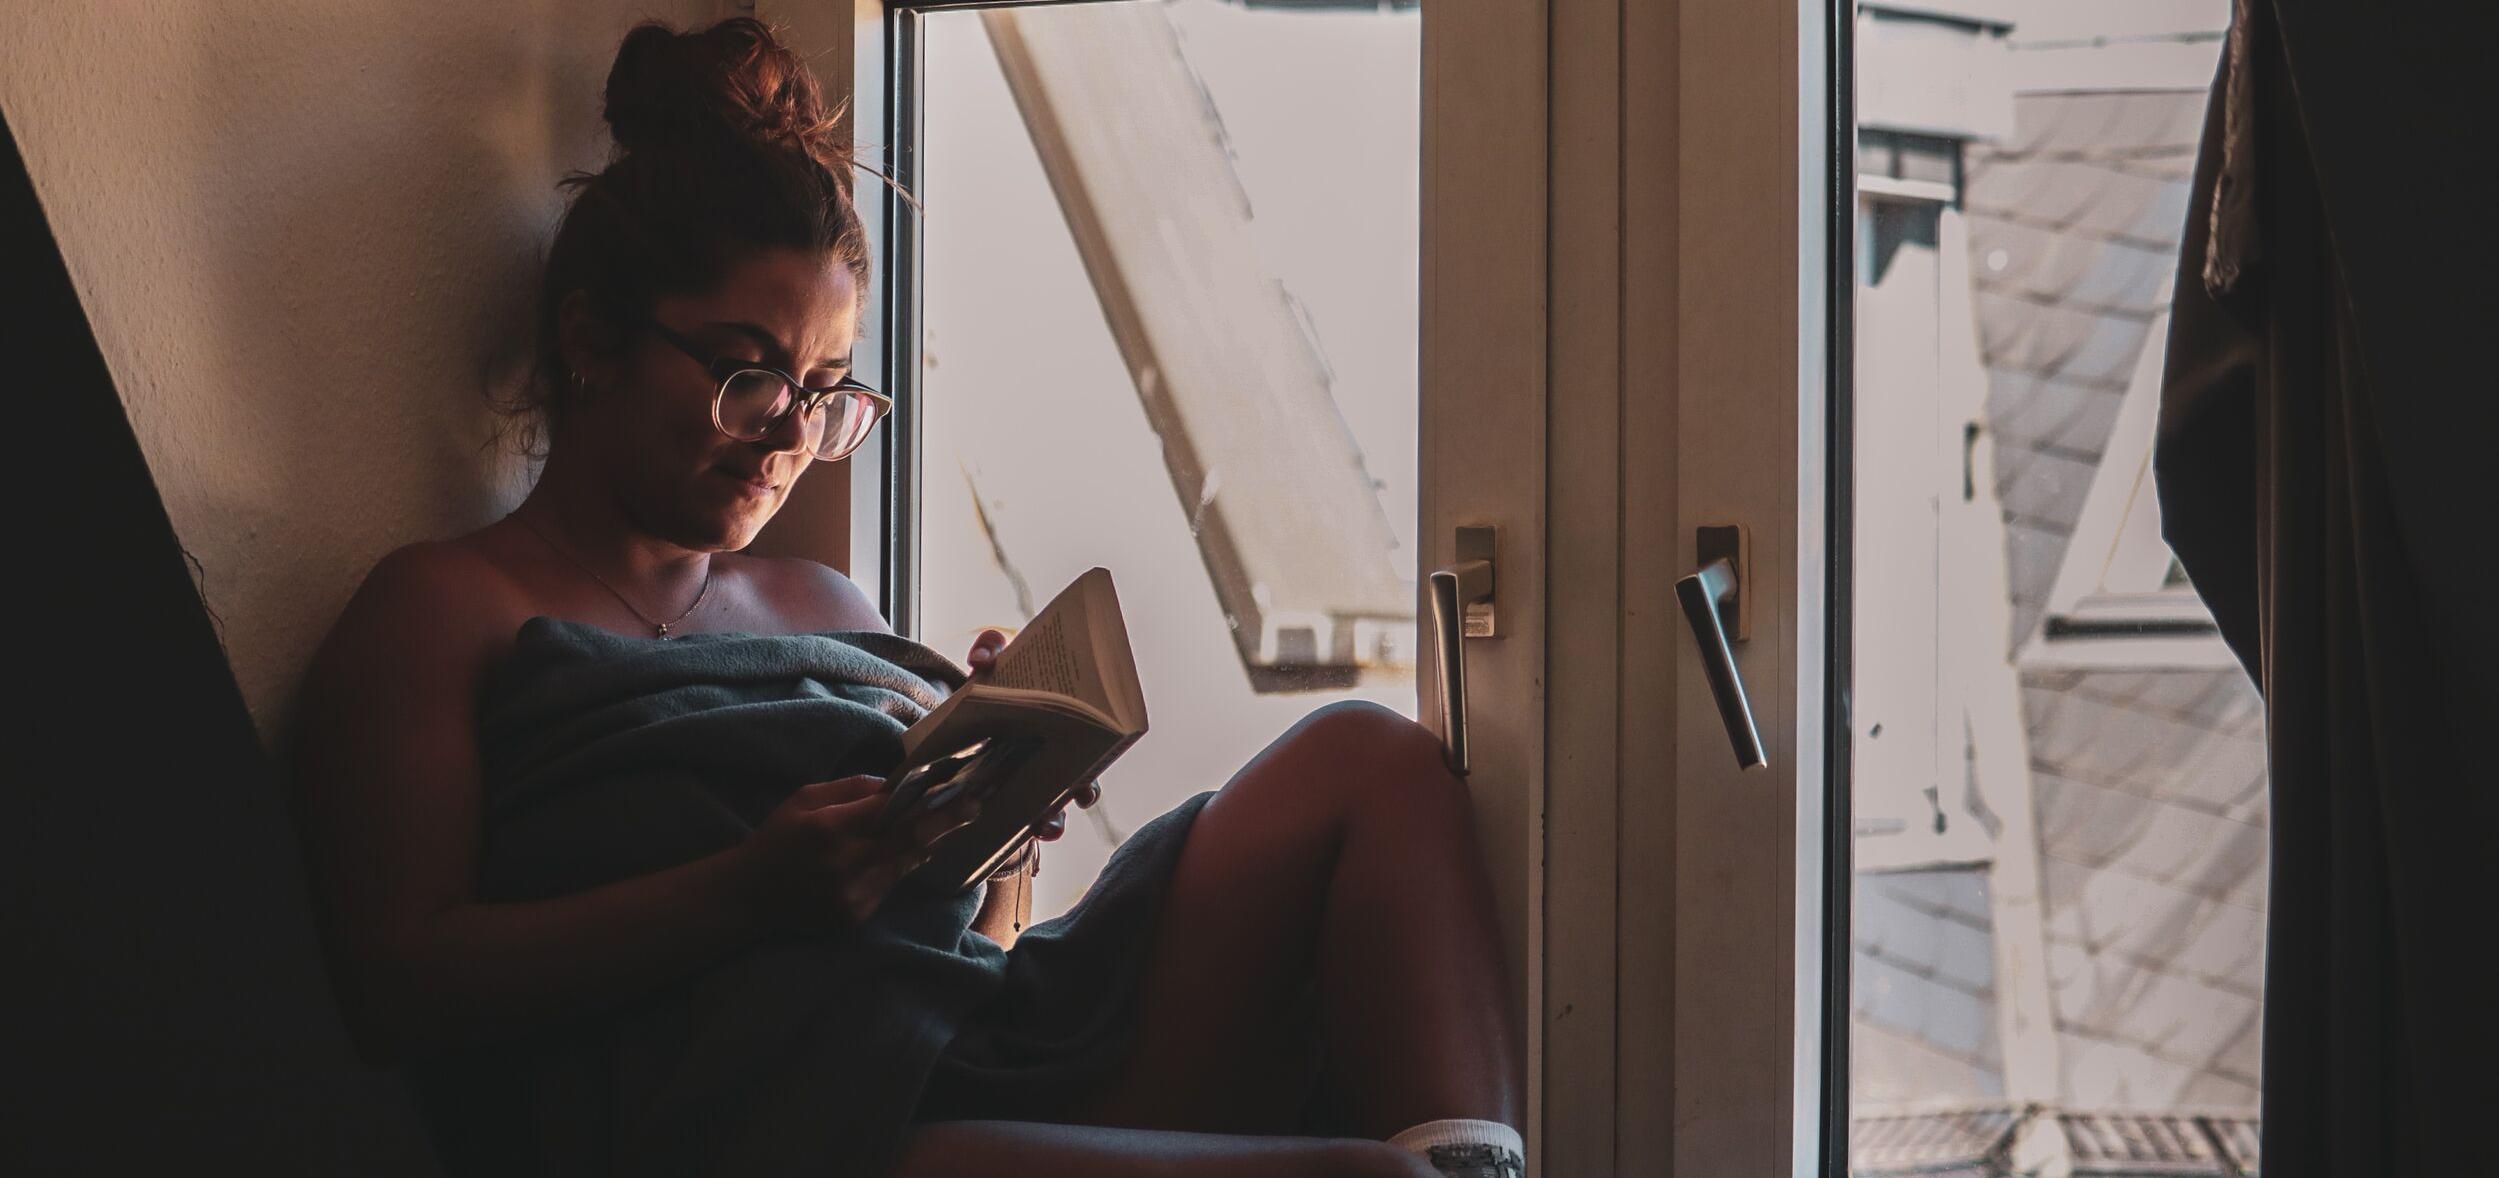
(985, 650)
(1050, 828)
(1040, 718)
(822, 857)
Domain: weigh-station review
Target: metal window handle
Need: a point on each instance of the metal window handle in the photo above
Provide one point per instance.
(1707, 597)
(1462, 608)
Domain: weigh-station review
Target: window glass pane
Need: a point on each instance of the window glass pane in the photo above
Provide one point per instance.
(1169, 313)
(2057, 772)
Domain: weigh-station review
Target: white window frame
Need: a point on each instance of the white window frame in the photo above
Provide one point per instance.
(1627, 275)
(1732, 947)
(1482, 370)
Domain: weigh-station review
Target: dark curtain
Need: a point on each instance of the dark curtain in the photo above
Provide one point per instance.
(167, 1010)
(2327, 459)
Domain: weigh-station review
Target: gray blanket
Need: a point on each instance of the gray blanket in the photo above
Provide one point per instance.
(607, 757)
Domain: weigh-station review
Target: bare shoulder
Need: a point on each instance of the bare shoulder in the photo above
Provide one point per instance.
(387, 706)
(431, 603)
(447, 583)
(811, 596)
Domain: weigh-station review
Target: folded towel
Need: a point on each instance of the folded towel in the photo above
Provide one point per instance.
(607, 757)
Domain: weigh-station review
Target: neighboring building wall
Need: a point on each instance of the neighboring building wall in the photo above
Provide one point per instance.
(2149, 778)
(2141, 758)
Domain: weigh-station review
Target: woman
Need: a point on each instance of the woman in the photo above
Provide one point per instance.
(607, 945)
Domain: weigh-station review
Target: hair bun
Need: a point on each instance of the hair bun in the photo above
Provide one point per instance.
(672, 91)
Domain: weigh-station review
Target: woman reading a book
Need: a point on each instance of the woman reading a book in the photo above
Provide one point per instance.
(590, 798)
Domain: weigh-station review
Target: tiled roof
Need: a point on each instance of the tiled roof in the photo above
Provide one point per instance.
(2150, 793)
(2159, 1145)
(1923, 989)
(1950, 1143)
(1985, 1141)
(2148, 786)
(2074, 228)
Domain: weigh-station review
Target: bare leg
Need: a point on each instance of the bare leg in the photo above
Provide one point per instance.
(949, 1149)
(1345, 847)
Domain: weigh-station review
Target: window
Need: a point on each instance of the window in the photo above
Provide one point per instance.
(2057, 770)
(1165, 322)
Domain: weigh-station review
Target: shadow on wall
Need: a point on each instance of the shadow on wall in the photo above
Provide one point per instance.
(171, 1004)
(386, 205)
(305, 237)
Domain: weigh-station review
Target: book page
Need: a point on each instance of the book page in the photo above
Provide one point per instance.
(1054, 653)
(1113, 662)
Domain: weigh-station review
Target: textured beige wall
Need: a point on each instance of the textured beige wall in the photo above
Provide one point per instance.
(306, 232)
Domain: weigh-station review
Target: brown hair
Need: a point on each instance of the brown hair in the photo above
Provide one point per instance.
(724, 146)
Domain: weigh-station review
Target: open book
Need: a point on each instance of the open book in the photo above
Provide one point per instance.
(1060, 703)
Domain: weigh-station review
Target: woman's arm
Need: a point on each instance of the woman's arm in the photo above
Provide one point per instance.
(387, 785)
(471, 972)
(1008, 905)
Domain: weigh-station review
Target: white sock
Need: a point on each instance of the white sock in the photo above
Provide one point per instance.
(1420, 1139)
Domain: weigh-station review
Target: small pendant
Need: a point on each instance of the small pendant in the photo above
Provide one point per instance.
(663, 630)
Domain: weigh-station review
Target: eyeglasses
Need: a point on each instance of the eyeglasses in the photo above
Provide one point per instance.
(754, 399)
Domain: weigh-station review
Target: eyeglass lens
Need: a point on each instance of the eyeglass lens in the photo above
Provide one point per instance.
(753, 402)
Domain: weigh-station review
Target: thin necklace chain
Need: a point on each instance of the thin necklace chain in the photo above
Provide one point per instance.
(660, 627)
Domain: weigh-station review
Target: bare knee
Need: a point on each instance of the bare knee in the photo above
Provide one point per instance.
(1373, 749)
(1359, 731)
(1347, 757)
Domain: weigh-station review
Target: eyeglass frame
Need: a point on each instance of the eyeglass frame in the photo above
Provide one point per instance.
(802, 398)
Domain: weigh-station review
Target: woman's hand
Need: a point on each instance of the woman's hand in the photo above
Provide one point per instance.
(820, 859)
(985, 650)
(1050, 828)
(984, 655)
